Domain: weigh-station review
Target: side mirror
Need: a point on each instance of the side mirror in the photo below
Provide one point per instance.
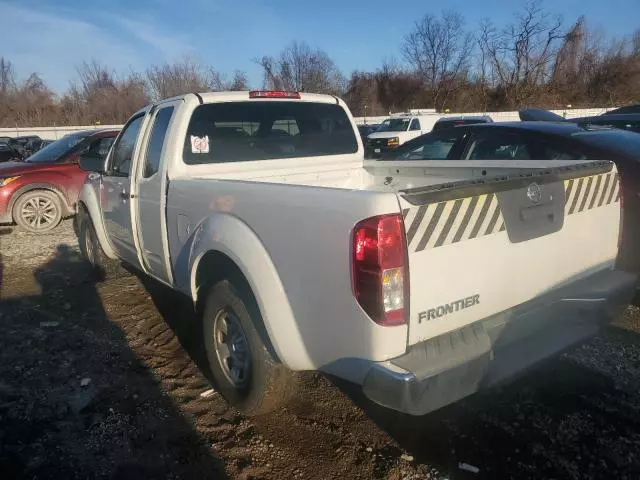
(92, 163)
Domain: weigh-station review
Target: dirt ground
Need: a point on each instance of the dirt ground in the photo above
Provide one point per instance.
(106, 381)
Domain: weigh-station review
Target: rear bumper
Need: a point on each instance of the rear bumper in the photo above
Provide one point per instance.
(445, 369)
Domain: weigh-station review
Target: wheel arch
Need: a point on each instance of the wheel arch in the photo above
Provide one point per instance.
(215, 266)
(224, 247)
(89, 201)
(67, 209)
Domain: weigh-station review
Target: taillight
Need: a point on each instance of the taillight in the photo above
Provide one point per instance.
(273, 94)
(380, 280)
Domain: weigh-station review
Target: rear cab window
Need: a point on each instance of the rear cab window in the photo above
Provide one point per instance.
(264, 130)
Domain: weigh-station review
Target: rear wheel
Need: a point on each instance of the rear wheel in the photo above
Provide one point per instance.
(38, 211)
(243, 369)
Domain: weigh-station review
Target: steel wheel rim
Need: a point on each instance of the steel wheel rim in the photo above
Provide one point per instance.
(39, 212)
(88, 245)
(232, 348)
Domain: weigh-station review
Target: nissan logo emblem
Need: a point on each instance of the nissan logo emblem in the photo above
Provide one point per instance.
(534, 193)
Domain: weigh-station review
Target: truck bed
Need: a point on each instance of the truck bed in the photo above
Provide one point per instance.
(382, 176)
(315, 204)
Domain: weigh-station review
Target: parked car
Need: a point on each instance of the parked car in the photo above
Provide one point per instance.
(7, 153)
(448, 122)
(32, 146)
(544, 140)
(394, 131)
(24, 145)
(9, 150)
(37, 193)
(627, 109)
(624, 121)
(421, 287)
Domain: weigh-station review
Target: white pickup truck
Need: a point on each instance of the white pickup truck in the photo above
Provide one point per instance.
(422, 284)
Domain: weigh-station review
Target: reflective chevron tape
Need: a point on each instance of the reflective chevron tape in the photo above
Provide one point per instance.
(438, 224)
(453, 221)
(585, 193)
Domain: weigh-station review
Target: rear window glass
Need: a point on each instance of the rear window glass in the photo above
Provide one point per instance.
(57, 149)
(245, 131)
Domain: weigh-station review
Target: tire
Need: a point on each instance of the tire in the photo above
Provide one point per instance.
(101, 265)
(265, 384)
(38, 211)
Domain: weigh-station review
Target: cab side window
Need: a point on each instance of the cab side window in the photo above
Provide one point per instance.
(415, 124)
(100, 147)
(123, 150)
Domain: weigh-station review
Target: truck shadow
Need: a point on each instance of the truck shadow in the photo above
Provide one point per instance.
(565, 418)
(562, 419)
(75, 400)
(178, 313)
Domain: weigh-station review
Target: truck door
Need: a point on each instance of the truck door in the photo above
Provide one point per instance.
(150, 186)
(415, 130)
(116, 197)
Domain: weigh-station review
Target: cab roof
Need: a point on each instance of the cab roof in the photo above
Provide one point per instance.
(242, 96)
(556, 128)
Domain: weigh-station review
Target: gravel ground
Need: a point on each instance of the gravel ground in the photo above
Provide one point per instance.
(106, 381)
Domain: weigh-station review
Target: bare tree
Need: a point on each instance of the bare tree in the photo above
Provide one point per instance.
(100, 96)
(178, 78)
(300, 68)
(239, 81)
(218, 81)
(521, 55)
(397, 89)
(362, 95)
(187, 76)
(439, 49)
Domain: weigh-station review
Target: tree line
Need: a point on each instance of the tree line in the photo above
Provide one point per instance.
(535, 60)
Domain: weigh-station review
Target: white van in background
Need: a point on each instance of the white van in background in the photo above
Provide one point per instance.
(395, 131)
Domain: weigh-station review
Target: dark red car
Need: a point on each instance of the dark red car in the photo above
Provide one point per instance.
(39, 192)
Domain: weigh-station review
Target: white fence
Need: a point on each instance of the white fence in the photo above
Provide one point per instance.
(53, 133)
(496, 116)
(50, 133)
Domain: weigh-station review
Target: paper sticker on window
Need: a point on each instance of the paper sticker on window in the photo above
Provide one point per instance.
(199, 144)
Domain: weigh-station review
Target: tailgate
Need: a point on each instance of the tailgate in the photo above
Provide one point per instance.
(478, 248)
